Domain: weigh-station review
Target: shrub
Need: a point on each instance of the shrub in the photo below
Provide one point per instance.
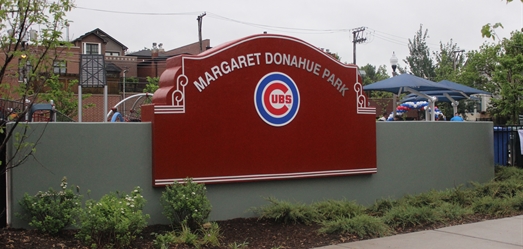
(452, 212)
(115, 220)
(361, 225)
(186, 203)
(52, 211)
(508, 172)
(286, 212)
(500, 189)
(463, 198)
(429, 199)
(496, 207)
(410, 216)
(335, 209)
(381, 206)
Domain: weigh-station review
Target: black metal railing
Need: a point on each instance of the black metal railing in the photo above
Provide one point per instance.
(507, 145)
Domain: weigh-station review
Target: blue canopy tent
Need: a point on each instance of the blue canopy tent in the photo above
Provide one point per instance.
(409, 83)
(441, 96)
(466, 90)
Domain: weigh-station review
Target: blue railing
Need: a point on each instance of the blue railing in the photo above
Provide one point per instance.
(507, 147)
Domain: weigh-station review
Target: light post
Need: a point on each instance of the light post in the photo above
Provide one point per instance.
(124, 71)
(394, 64)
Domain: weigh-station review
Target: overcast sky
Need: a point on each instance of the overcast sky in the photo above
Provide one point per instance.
(325, 24)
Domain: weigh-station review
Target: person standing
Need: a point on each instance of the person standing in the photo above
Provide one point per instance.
(383, 117)
(456, 117)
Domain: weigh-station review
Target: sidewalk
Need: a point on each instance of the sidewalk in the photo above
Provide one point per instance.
(505, 233)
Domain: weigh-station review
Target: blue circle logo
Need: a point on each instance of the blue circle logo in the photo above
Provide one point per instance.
(277, 99)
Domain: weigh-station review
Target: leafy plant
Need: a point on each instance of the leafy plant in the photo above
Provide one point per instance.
(163, 241)
(63, 96)
(207, 236)
(210, 234)
(186, 203)
(115, 220)
(153, 83)
(236, 245)
(52, 211)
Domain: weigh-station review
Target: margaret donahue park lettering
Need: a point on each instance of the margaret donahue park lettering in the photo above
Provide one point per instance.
(264, 107)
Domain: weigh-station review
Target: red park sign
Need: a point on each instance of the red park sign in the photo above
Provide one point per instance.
(264, 107)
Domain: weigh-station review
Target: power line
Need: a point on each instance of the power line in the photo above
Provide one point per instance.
(140, 13)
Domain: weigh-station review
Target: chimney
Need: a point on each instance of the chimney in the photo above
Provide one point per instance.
(154, 51)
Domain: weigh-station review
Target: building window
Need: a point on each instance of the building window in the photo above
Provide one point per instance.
(112, 53)
(91, 48)
(59, 67)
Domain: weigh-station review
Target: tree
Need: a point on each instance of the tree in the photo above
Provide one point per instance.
(488, 30)
(27, 57)
(419, 61)
(61, 94)
(374, 75)
(448, 62)
(152, 84)
(509, 75)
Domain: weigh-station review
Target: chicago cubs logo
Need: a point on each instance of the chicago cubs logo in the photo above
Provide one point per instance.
(277, 99)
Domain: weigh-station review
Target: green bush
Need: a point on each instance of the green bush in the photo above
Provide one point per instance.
(496, 207)
(500, 189)
(458, 196)
(335, 209)
(508, 172)
(115, 220)
(52, 211)
(410, 216)
(381, 207)
(361, 225)
(186, 203)
(429, 199)
(452, 212)
(287, 212)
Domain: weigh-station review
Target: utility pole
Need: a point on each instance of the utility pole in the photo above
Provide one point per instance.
(200, 20)
(456, 54)
(357, 37)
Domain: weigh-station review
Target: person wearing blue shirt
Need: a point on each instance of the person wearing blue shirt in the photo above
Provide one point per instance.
(456, 117)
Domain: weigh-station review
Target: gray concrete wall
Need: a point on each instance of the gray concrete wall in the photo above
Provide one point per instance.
(413, 157)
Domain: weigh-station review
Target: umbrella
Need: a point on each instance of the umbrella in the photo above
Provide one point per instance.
(408, 83)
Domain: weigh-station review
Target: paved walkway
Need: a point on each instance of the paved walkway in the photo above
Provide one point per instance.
(505, 233)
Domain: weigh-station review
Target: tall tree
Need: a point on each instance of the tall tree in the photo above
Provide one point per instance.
(27, 56)
(449, 61)
(419, 61)
(509, 75)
